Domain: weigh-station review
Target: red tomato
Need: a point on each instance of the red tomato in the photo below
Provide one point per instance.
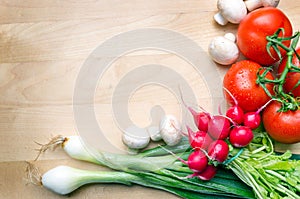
(240, 80)
(253, 29)
(292, 78)
(282, 126)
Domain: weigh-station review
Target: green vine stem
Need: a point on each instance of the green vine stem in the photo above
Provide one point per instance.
(288, 101)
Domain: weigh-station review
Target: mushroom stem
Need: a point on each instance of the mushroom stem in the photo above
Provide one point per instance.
(135, 137)
(253, 4)
(220, 19)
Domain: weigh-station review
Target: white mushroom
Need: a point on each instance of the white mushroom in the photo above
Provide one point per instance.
(154, 133)
(170, 130)
(230, 10)
(254, 4)
(135, 137)
(223, 49)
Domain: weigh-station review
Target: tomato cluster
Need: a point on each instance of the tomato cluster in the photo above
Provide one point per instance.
(265, 37)
(241, 82)
(285, 126)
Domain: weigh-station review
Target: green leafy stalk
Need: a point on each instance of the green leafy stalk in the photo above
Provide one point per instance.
(158, 166)
(269, 174)
(288, 101)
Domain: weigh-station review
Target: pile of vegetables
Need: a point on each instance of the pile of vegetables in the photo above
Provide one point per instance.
(259, 79)
(155, 168)
(230, 155)
(257, 166)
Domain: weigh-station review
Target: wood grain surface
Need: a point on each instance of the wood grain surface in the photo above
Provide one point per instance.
(43, 45)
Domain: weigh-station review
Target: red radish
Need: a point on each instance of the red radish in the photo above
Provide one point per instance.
(197, 161)
(235, 112)
(218, 150)
(240, 136)
(219, 127)
(201, 119)
(199, 139)
(208, 173)
(253, 119)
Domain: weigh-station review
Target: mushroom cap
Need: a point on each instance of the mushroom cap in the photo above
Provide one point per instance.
(154, 133)
(233, 10)
(135, 137)
(170, 130)
(270, 3)
(223, 50)
(254, 4)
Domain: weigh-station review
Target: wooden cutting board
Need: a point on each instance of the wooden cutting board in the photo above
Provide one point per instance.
(43, 46)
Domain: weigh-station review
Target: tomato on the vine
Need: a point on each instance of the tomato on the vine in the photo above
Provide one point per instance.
(255, 27)
(292, 78)
(240, 81)
(283, 127)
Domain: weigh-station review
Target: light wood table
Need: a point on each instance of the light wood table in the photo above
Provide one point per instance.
(43, 45)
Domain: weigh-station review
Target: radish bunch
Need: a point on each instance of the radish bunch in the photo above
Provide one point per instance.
(243, 123)
(215, 133)
(208, 143)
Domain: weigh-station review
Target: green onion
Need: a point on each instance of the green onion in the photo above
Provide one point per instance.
(154, 168)
(270, 175)
(64, 180)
